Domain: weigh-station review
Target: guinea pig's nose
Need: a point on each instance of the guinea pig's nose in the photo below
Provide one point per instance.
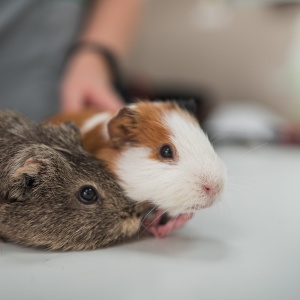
(211, 189)
(208, 188)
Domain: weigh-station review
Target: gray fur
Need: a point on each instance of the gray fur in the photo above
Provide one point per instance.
(45, 211)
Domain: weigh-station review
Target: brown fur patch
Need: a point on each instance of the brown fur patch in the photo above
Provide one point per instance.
(121, 127)
(77, 118)
(151, 131)
(142, 125)
(94, 139)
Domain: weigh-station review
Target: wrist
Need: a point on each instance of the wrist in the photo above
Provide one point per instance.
(92, 51)
(102, 54)
(90, 62)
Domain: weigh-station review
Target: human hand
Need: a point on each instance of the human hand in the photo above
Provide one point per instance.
(87, 83)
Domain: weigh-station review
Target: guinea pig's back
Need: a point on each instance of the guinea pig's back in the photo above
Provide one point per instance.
(92, 124)
(11, 123)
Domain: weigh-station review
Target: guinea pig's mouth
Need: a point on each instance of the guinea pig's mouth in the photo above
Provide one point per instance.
(160, 224)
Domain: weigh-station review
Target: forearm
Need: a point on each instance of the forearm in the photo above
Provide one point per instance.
(112, 23)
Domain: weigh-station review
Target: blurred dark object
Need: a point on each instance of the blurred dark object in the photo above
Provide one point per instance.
(289, 134)
(198, 103)
(285, 4)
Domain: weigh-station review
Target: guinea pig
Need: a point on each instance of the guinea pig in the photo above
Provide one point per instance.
(54, 194)
(159, 153)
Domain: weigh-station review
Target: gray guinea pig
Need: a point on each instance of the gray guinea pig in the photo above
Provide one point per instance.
(53, 194)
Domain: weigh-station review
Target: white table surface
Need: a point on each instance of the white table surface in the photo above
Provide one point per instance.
(245, 247)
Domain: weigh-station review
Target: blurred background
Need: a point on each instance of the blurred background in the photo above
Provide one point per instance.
(241, 55)
(240, 61)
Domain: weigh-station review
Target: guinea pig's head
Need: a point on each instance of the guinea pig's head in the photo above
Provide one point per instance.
(166, 158)
(60, 197)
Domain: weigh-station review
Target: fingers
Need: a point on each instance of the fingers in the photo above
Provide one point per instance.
(87, 83)
(105, 98)
(71, 101)
(76, 99)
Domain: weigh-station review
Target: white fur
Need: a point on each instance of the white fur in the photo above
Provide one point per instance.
(176, 187)
(132, 106)
(100, 118)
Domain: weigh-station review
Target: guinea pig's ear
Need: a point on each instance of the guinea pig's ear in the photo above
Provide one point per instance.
(121, 128)
(27, 176)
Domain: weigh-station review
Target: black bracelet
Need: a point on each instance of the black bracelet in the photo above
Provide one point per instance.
(111, 61)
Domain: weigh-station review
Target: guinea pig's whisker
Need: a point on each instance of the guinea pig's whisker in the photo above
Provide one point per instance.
(149, 212)
(237, 186)
(248, 152)
(175, 219)
(147, 227)
(242, 182)
(242, 178)
(142, 224)
(182, 211)
(217, 137)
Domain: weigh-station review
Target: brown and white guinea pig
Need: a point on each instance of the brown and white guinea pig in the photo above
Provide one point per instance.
(56, 195)
(158, 152)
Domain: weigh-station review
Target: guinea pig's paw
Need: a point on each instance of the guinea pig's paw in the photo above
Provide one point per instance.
(160, 225)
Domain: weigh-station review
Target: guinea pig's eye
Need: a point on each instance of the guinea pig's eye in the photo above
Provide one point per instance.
(166, 151)
(88, 195)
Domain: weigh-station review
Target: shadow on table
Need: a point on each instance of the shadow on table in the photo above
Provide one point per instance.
(180, 245)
